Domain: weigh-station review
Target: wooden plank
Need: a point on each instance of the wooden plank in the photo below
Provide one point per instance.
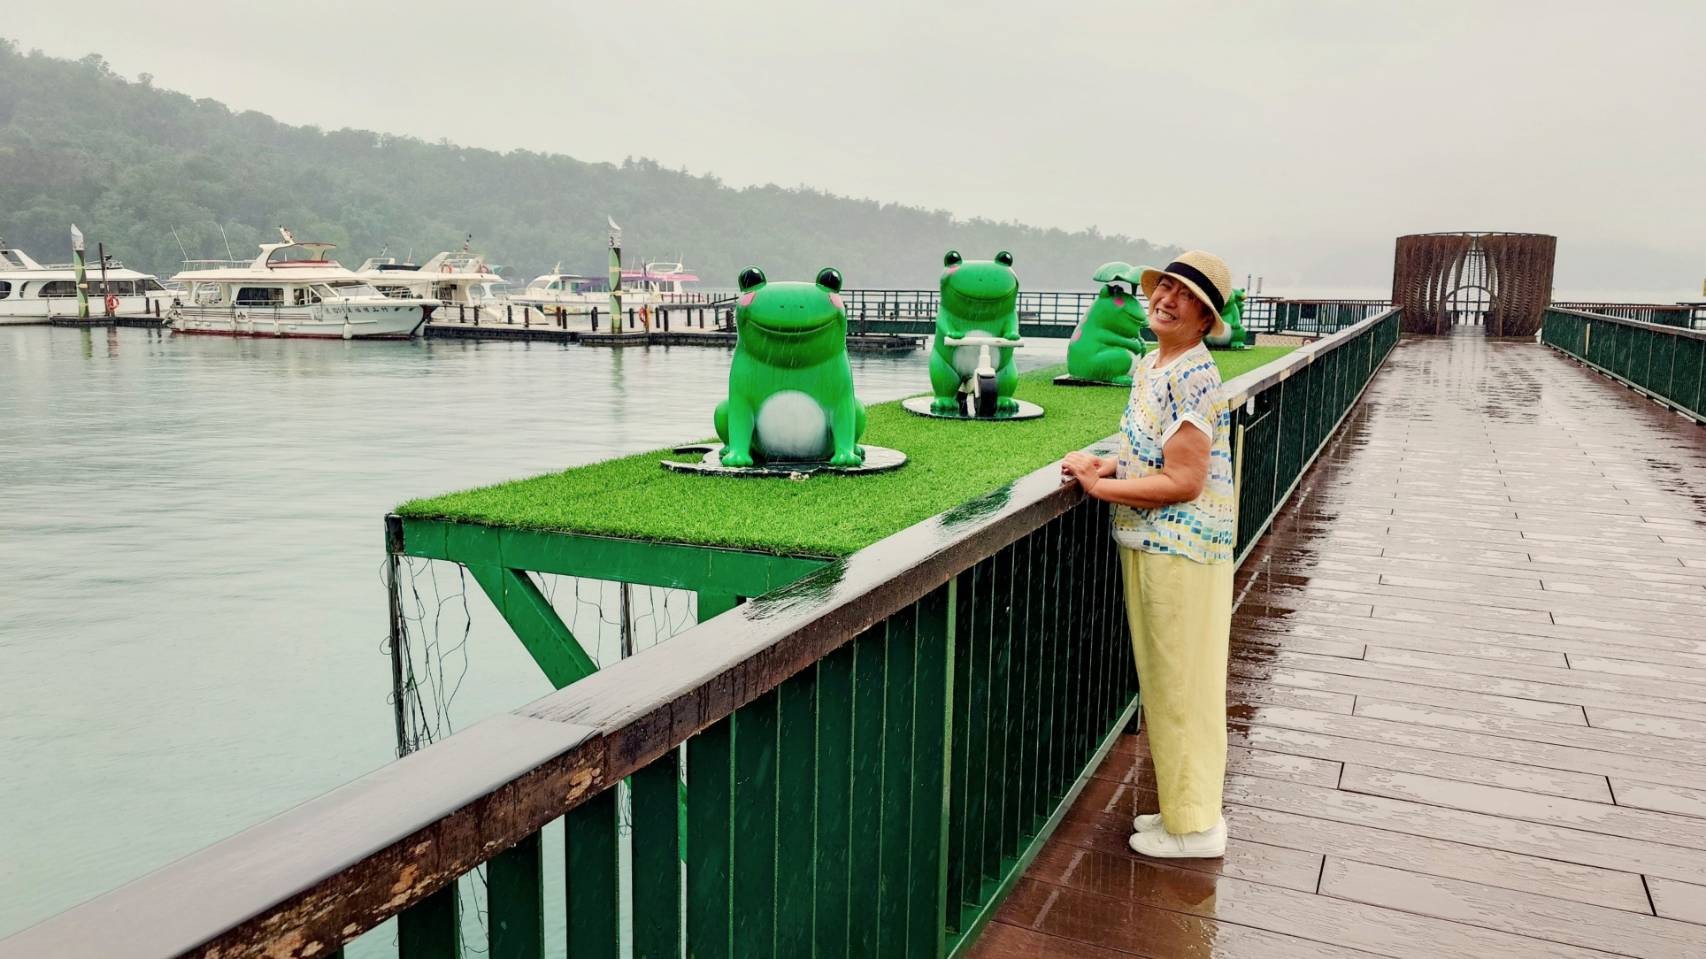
(1445, 765)
(1591, 762)
(1004, 941)
(1525, 914)
(1311, 638)
(1601, 818)
(1661, 727)
(1407, 692)
(1635, 686)
(1661, 798)
(1408, 668)
(1096, 841)
(1138, 929)
(1678, 900)
(1439, 857)
(1242, 694)
(1471, 828)
(1407, 635)
(1558, 734)
(1306, 915)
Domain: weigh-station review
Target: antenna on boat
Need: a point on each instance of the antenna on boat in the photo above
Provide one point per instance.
(228, 254)
(181, 249)
(467, 239)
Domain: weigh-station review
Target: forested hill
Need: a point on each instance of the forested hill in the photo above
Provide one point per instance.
(128, 162)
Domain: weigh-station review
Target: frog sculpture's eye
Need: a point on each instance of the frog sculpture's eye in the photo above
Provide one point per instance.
(830, 279)
(952, 259)
(751, 278)
(1004, 258)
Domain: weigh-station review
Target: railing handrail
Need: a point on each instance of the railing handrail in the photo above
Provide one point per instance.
(347, 860)
(1241, 388)
(1655, 327)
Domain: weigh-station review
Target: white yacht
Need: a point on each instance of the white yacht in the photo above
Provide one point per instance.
(31, 292)
(579, 293)
(292, 289)
(461, 282)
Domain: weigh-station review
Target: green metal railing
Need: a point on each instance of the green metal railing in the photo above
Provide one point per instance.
(1659, 314)
(1284, 414)
(860, 763)
(1664, 362)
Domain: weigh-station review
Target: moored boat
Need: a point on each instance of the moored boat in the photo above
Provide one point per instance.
(31, 292)
(292, 289)
(460, 281)
(656, 283)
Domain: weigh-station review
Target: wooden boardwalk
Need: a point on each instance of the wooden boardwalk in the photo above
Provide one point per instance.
(1467, 697)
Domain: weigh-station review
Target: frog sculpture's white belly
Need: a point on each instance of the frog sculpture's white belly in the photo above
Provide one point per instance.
(792, 426)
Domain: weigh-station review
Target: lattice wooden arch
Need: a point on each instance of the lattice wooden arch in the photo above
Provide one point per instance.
(1513, 269)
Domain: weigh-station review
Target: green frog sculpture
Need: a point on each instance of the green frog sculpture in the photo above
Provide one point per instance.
(790, 386)
(978, 296)
(1111, 333)
(1235, 337)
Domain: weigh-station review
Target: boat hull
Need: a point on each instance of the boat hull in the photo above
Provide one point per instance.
(387, 322)
(18, 312)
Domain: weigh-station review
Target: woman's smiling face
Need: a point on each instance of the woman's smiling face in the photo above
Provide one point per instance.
(1175, 310)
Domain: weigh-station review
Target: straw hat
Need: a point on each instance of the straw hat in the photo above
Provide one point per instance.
(1205, 275)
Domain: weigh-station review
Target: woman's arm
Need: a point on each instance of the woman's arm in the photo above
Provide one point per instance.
(1184, 470)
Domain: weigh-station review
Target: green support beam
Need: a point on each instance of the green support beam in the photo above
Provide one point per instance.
(535, 622)
(674, 565)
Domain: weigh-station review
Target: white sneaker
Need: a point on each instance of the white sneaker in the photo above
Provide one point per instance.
(1148, 822)
(1161, 844)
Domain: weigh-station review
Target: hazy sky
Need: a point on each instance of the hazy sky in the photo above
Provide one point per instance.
(1298, 138)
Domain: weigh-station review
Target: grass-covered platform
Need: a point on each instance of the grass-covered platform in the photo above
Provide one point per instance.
(948, 463)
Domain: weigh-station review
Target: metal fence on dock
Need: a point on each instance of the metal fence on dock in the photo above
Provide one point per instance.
(1662, 361)
(1686, 316)
(1056, 315)
(864, 761)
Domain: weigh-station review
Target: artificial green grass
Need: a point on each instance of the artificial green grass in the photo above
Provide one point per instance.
(948, 462)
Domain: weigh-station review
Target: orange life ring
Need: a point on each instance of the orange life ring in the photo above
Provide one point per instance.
(112, 303)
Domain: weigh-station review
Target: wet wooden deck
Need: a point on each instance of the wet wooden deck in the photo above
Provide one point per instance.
(1467, 697)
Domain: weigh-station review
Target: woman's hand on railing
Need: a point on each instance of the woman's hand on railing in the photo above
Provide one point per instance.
(1087, 468)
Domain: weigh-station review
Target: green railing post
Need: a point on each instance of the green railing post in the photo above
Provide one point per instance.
(515, 906)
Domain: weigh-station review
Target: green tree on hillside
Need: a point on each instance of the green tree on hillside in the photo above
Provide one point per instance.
(129, 162)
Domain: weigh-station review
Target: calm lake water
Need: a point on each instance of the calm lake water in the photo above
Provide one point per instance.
(192, 614)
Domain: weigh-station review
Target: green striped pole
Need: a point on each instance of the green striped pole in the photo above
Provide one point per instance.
(82, 283)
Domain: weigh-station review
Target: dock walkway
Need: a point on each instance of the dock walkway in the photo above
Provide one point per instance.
(1468, 697)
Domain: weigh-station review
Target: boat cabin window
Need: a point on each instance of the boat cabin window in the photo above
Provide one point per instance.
(152, 285)
(11, 260)
(260, 296)
(207, 294)
(340, 288)
(58, 288)
(5, 289)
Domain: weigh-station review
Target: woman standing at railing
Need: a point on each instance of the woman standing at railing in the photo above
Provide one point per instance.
(1171, 486)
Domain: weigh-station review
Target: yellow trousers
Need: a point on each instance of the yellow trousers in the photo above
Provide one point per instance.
(1180, 613)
